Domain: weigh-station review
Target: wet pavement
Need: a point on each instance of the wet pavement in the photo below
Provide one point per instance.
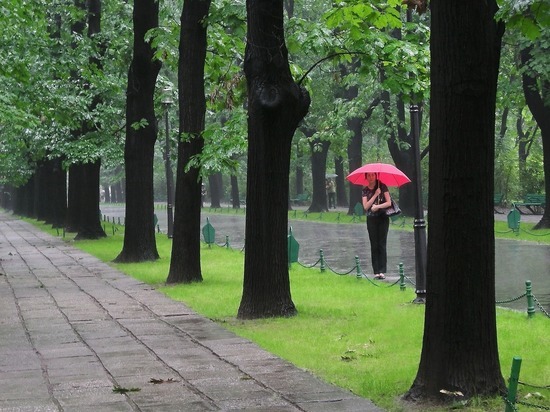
(78, 335)
(516, 261)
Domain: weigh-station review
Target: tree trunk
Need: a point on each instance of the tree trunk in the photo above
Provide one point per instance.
(403, 159)
(107, 189)
(71, 220)
(55, 187)
(59, 203)
(139, 236)
(41, 185)
(89, 222)
(355, 159)
(185, 264)
(276, 105)
(341, 198)
(459, 350)
(534, 97)
(235, 197)
(319, 152)
(216, 189)
(299, 170)
(118, 192)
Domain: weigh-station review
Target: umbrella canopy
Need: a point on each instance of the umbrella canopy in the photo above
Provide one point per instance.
(387, 174)
(331, 175)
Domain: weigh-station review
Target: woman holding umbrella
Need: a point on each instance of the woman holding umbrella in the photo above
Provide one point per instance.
(376, 198)
(375, 179)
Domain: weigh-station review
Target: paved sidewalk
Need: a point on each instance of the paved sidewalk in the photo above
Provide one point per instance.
(72, 329)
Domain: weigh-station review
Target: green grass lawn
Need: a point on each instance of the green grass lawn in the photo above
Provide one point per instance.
(349, 332)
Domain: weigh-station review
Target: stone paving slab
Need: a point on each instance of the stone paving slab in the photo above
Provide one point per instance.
(72, 329)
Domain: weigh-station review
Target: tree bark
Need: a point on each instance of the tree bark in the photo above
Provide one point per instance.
(89, 222)
(535, 92)
(276, 105)
(235, 196)
(185, 265)
(459, 350)
(139, 236)
(216, 190)
(319, 152)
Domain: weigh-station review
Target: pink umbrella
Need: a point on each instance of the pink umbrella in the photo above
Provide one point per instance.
(387, 174)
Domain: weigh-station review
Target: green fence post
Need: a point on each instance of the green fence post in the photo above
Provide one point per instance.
(208, 233)
(322, 259)
(513, 219)
(357, 268)
(530, 300)
(401, 277)
(293, 248)
(513, 388)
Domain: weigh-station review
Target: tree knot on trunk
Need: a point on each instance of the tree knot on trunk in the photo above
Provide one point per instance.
(269, 95)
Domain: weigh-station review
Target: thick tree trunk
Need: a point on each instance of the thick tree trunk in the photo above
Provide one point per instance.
(459, 350)
(139, 236)
(185, 265)
(534, 98)
(276, 104)
(89, 222)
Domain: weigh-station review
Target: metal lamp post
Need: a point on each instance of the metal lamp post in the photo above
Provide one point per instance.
(419, 222)
(167, 101)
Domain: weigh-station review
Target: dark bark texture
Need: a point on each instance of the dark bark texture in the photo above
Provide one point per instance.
(319, 152)
(535, 93)
(459, 350)
(185, 266)
(276, 105)
(216, 189)
(89, 222)
(139, 237)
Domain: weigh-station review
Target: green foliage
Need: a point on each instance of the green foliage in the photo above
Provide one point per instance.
(54, 85)
(529, 16)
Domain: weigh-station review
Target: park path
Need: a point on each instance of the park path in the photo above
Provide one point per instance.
(73, 329)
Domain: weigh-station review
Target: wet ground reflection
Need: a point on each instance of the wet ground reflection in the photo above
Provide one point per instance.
(516, 261)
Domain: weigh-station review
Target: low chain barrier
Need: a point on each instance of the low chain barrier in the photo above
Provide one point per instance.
(209, 234)
(510, 400)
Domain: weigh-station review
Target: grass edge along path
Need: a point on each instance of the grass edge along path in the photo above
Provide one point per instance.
(348, 332)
